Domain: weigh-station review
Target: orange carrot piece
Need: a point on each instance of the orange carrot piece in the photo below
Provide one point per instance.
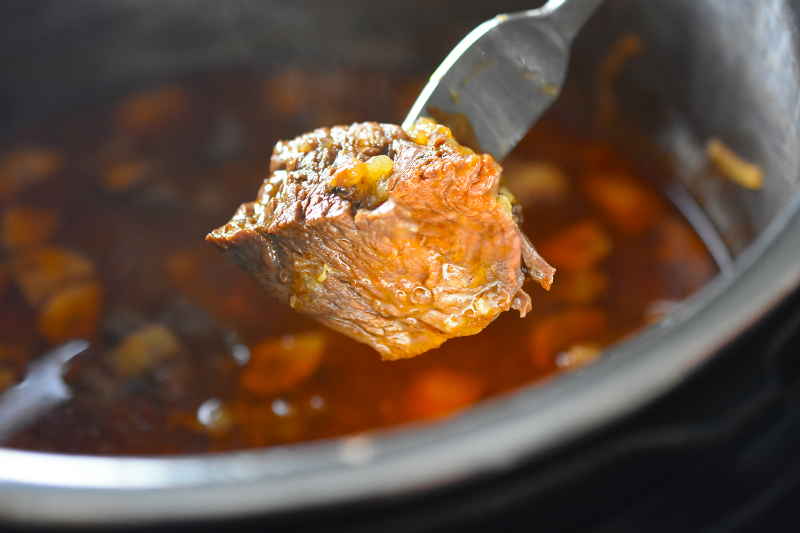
(25, 166)
(681, 253)
(442, 391)
(580, 286)
(71, 313)
(25, 226)
(579, 247)
(628, 204)
(124, 175)
(150, 111)
(41, 272)
(277, 365)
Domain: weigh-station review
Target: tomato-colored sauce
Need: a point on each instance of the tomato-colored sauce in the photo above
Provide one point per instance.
(188, 355)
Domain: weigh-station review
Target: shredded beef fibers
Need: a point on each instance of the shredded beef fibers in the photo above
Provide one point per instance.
(400, 240)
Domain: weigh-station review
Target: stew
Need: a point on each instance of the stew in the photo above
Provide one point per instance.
(103, 215)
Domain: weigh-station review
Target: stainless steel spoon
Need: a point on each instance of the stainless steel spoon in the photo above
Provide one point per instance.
(41, 390)
(506, 73)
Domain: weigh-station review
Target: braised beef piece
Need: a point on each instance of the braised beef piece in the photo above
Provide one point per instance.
(399, 240)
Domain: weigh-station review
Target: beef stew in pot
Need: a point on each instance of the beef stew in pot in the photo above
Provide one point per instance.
(103, 218)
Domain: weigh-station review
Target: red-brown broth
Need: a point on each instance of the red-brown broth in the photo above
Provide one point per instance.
(205, 144)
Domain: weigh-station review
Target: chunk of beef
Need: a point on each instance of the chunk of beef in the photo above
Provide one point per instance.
(399, 240)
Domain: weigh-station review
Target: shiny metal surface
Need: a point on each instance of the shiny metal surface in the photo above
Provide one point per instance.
(506, 73)
(41, 390)
(727, 69)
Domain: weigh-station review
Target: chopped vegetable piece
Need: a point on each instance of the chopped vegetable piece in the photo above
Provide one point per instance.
(144, 350)
(378, 167)
(25, 226)
(279, 364)
(624, 200)
(70, 313)
(40, 273)
(148, 112)
(734, 167)
(535, 181)
(682, 256)
(25, 166)
(578, 355)
(124, 175)
(443, 391)
(580, 286)
(353, 173)
(559, 332)
(581, 246)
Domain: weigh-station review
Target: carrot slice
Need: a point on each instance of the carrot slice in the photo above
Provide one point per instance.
(26, 226)
(41, 272)
(124, 175)
(150, 111)
(280, 364)
(579, 247)
(71, 313)
(580, 286)
(25, 166)
(629, 205)
(443, 391)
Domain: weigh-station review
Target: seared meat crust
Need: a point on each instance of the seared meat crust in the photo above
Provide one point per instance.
(397, 242)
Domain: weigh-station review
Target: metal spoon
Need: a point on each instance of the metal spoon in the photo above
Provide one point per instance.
(506, 73)
(41, 390)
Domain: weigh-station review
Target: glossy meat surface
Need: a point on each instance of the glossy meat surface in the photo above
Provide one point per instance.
(398, 240)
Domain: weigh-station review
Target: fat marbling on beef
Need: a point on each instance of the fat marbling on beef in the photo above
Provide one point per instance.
(398, 239)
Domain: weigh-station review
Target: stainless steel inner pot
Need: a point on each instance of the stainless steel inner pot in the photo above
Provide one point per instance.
(709, 68)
